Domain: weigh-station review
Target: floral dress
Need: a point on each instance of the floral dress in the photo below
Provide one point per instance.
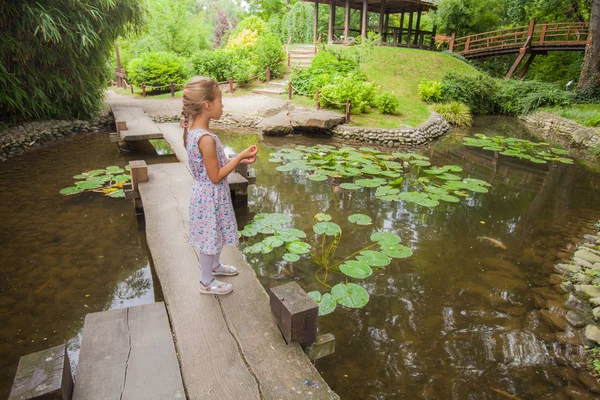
(212, 219)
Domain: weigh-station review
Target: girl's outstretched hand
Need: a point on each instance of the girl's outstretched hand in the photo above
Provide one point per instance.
(249, 155)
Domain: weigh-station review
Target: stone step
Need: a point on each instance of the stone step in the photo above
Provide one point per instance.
(301, 56)
(278, 83)
(302, 51)
(301, 60)
(275, 91)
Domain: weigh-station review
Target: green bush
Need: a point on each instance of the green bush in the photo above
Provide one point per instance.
(430, 91)
(387, 103)
(521, 97)
(269, 52)
(362, 94)
(455, 113)
(223, 64)
(477, 92)
(298, 23)
(158, 69)
(323, 69)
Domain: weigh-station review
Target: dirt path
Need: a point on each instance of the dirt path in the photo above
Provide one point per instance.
(247, 105)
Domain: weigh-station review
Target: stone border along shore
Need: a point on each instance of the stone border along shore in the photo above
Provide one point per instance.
(433, 128)
(15, 140)
(565, 131)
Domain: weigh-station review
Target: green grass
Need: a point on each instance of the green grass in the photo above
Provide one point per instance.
(584, 114)
(137, 93)
(400, 71)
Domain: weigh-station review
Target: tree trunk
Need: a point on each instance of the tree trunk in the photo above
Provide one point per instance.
(589, 82)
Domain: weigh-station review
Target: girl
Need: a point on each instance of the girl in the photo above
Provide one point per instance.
(212, 220)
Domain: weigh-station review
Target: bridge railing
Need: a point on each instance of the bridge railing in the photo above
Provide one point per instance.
(542, 34)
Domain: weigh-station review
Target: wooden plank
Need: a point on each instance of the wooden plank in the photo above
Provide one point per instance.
(237, 333)
(139, 125)
(128, 354)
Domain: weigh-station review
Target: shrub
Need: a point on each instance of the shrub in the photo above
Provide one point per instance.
(455, 113)
(269, 52)
(521, 97)
(477, 92)
(324, 68)
(223, 64)
(245, 40)
(158, 69)
(430, 91)
(298, 23)
(361, 93)
(387, 103)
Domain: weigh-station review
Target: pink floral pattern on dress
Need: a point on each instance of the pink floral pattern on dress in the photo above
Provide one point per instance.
(212, 219)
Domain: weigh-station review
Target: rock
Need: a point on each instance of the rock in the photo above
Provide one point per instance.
(596, 312)
(588, 291)
(576, 393)
(556, 279)
(574, 303)
(576, 319)
(595, 302)
(570, 338)
(554, 319)
(588, 255)
(589, 381)
(277, 125)
(592, 334)
(596, 266)
(567, 268)
(320, 119)
(582, 262)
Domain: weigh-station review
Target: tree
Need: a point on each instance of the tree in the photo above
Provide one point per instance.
(465, 17)
(589, 82)
(54, 55)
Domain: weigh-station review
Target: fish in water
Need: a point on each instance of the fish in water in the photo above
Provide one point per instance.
(492, 241)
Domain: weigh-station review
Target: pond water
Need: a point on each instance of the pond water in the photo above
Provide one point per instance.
(457, 320)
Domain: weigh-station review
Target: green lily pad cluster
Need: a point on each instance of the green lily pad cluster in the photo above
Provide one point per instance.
(397, 177)
(275, 234)
(109, 181)
(539, 153)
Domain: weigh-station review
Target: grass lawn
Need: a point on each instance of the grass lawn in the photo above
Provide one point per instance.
(400, 71)
(584, 114)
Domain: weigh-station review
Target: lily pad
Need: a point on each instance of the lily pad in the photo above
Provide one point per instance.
(326, 302)
(385, 238)
(374, 258)
(327, 228)
(360, 219)
(298, 247)
(356, 269)
(71, 190)
(323, 217)
(350, 295)
(117, 194)
(369, 182)
(398, 252)
(349, 186)
(291, 257)
(317, 177)
(273, 241)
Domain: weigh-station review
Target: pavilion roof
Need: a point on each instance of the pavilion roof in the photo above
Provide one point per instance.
(389, 7)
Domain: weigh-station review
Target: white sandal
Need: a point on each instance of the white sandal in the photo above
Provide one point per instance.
(215, 287)
(225, 270)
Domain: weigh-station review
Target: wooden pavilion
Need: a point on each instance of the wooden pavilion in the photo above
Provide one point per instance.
(409, 36)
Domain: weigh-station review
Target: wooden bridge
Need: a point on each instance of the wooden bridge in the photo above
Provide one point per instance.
(532, 39)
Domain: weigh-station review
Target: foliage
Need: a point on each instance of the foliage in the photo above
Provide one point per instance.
(298, 23)
(245, 40)
(250, 23)
(361, 94)
(223, 64)
(269, 52)
(158, 69)
(521, 97)
(109, 181)
(465, 17)
(388, 173)
(275, 234)
(584, 114)
(222, 25)
(477, 92)
(430, 91)
(539, 153)
(558, 67)
(387, 103)
(54, 55)
(455, 113)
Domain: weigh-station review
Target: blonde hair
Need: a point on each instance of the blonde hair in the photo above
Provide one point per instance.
(198, 90)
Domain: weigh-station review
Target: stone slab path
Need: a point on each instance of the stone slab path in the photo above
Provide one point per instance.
(229, 347)
(139, 125)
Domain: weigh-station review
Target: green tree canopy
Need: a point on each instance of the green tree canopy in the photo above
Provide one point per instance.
(54, 55)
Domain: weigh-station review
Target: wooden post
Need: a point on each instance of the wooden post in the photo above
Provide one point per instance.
(381, 13)
(348, 106)
(231, 85)
(451, 45)
(331, 21)
(317, 99)
(289, 60)
(386, 23)
(543, 34)
(295, 313)
(432, 45)
(43, 375)
(139, 173)
(401, 28)
(364, 18)
(316, 24)
(467, 44)
(525, 68)
(410, 22)
(131, 86)
(268, 74)
(172, 89)
(418, 27)
(143, 89)
(289, 90)
(532, 27)
(347, 21)
(323, 346)
(119, 69)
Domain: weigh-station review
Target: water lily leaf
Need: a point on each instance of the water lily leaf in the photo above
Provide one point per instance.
(71, 190)
(372, 170)
(273, 241)
(559, 151)
(285, 168)
(449, 177)
(385, 238)
(122, 178)
(420, 163)
(369, 182)
(327, 228)
(452, 168)
(356, 269)
(374, 258)
(82, 176)
(113, 169)
(384, 190)
(360, 219)
(434, 171)
(396, 182)
(317, 177)
(349, 186)
(88, 184)
(248, 231)
(326, 302)
(298, 247)
(293, 232)
(275, 160)
(128, 167)
(291, 257)
(96, 172)
(428, 202)
(565, 160)
(350, 295)
(398, 252)
(370, 150)
(118, 193)
(448, 198)
(322, 217)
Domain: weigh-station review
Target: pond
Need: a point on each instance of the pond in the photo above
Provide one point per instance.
(458, 319)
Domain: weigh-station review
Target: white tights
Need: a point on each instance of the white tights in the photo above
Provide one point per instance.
(208, 262)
